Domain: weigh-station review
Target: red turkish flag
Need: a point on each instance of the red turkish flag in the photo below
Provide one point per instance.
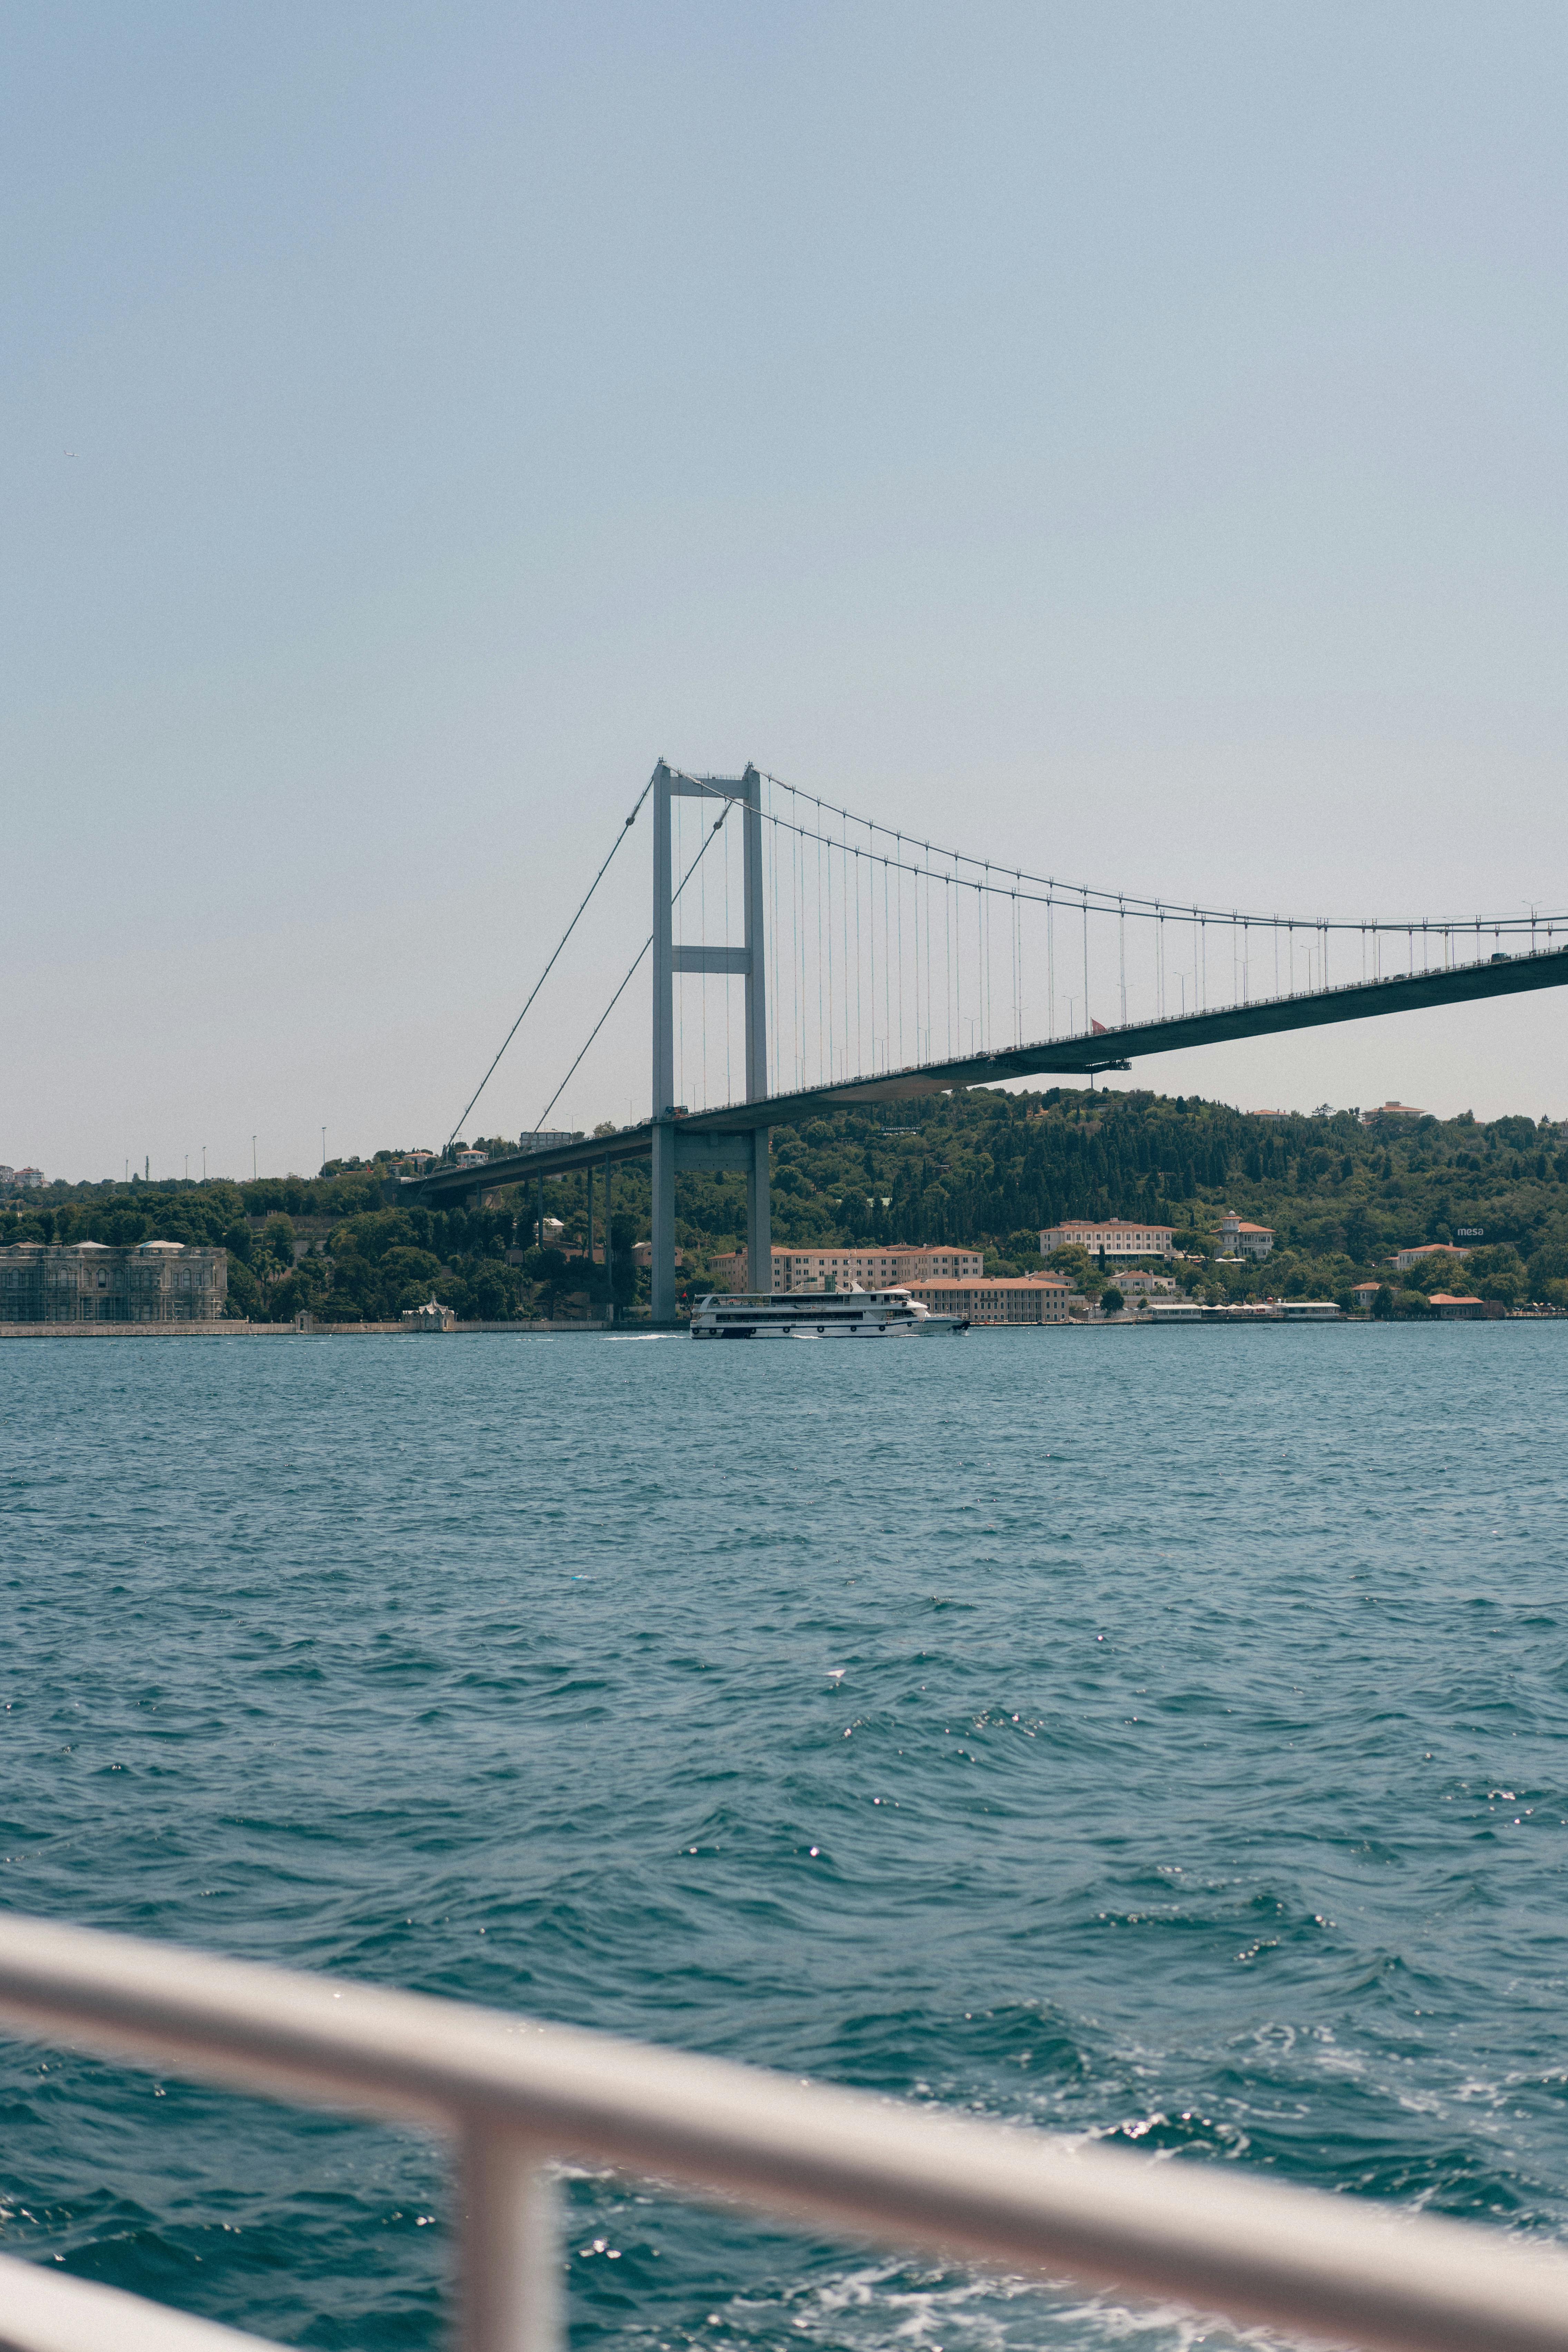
(1097, 1027)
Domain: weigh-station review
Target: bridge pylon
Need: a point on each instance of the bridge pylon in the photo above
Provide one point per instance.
(742, 1149)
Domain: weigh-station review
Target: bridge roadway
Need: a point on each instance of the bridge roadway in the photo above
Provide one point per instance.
(1081, 1056)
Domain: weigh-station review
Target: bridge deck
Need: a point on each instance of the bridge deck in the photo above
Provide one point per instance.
(1081, 1056)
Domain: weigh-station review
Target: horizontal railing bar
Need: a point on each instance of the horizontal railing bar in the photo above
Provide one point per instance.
(850, 2163)
(48, 2311)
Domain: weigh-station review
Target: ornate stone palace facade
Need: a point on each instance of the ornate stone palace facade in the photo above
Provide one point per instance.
(87, 1282)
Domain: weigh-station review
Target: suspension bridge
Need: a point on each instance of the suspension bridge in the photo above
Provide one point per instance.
(875, 967)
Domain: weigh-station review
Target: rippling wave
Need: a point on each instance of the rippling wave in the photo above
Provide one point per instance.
(1157, 1736)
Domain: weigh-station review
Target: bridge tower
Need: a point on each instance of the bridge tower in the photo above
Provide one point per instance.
(746, 1148)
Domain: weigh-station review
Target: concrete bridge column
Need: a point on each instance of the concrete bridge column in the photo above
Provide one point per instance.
(746, 1148)
(662, 1267)
(759, 1223)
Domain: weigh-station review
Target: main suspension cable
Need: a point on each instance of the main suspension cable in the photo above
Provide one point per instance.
(1103, 901)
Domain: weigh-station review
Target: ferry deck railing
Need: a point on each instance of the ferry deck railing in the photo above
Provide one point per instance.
(513, 2096)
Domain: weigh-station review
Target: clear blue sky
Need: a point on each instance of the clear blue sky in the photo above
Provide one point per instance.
(1130, 441)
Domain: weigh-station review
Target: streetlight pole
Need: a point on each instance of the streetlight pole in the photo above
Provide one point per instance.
(253, 1159)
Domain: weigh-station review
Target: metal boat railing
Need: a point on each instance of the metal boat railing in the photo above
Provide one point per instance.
(513, 2096)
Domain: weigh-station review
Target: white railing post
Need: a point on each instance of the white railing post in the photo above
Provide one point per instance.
(510, 2297)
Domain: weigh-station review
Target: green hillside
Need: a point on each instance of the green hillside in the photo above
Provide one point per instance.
(992, 1170)
(984, 1169)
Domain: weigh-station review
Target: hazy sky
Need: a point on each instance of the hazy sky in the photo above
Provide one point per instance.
(1126, 440)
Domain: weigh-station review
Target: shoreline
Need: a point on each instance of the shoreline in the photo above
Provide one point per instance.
(238, 1329)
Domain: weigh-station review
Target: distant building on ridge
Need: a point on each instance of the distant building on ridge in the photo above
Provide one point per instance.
(1404, 1258)
(1116, 1237)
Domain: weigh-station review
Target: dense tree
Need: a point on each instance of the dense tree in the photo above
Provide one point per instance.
(276, 1245)
(984, 1169)
(245, 1296)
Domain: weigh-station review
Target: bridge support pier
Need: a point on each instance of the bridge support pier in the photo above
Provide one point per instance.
(661, 1267)
(759, 1221)
(747, 1147)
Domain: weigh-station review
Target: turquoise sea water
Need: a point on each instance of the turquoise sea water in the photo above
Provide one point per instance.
(1160, 1734)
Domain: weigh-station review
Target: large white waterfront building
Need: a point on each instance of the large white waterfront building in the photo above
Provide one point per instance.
(873, 1269)
(1000, 1299)
(89, 1282)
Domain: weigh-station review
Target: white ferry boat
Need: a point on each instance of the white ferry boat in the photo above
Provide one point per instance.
(853, 1314)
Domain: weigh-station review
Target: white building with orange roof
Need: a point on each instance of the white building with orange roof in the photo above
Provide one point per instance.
(1237, 1238)
(1115, 1237)
(1014, 1300)
(1393, 1111)
(837, 1268)
(1406, 1258)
